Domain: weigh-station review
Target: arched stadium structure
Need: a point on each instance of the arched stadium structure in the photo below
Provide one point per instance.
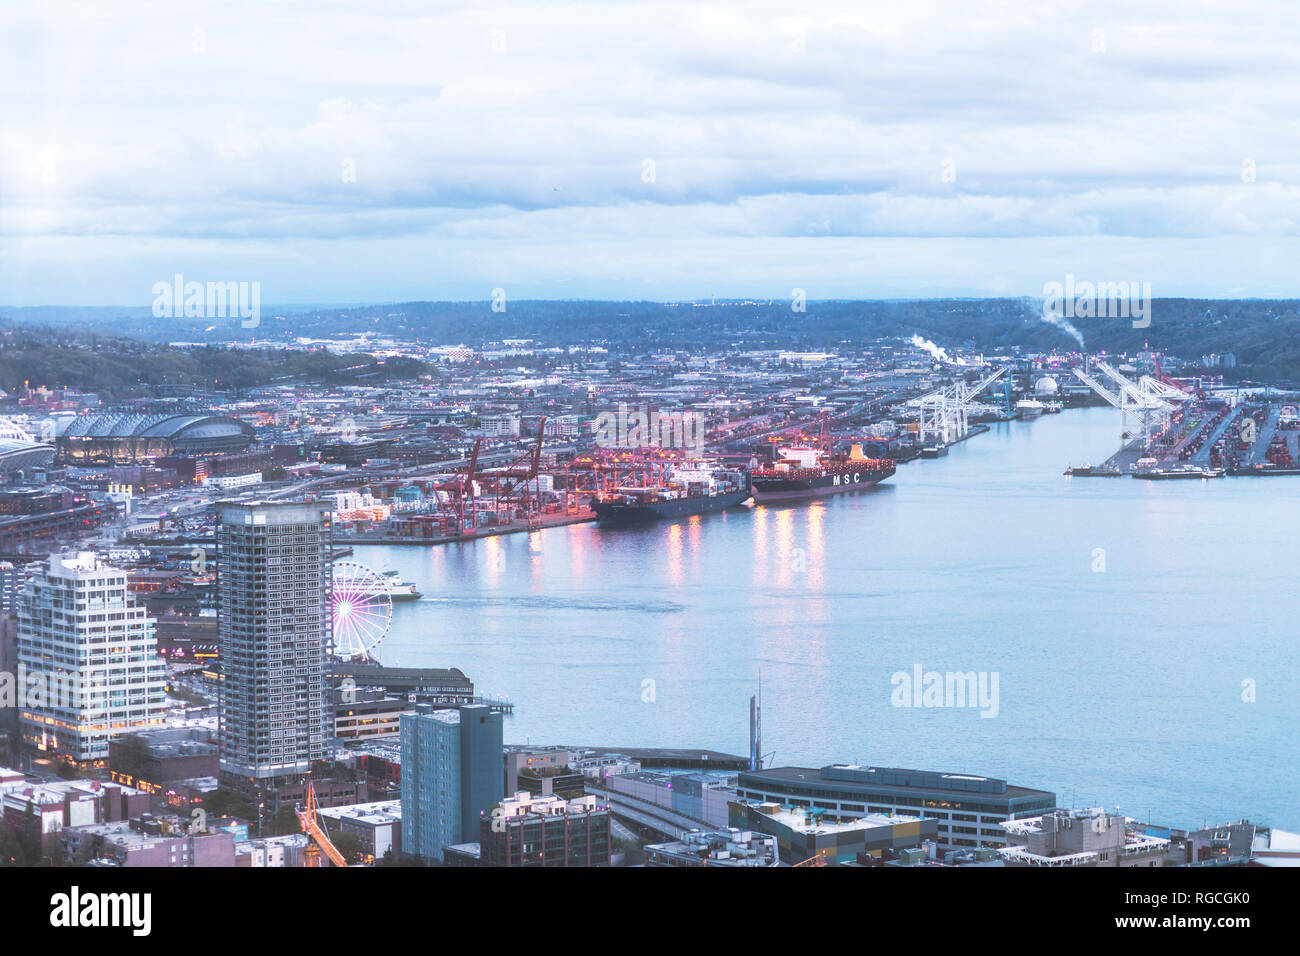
(19, 450)
(125, 438)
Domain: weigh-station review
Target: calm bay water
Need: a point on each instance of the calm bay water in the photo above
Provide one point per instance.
(1120, 687)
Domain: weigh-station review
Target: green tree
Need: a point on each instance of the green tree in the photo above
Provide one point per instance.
(349, 844)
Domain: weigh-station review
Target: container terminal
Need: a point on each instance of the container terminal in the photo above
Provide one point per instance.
(1178, 429)
(484, 448)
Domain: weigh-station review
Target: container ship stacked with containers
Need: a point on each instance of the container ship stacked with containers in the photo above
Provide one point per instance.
(814, 472)
(691, 488)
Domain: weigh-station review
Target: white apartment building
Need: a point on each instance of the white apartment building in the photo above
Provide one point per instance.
(503, 425)
(89, 658)
(273, 624)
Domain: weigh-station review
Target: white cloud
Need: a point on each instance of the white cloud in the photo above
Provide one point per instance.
(511, 137)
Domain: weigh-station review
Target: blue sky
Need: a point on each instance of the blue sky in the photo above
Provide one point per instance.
(387, 151)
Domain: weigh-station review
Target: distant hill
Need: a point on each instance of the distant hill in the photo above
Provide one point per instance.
(1263, 334)
(116, 368)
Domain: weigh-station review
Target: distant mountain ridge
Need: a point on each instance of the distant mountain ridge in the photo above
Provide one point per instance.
(1263, 334)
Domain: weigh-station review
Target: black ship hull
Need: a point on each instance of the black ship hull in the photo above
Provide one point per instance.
(831, 483)
(621, 513)
(1089, 471)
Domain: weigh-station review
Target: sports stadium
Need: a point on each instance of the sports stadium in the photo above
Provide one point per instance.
(130, 438)
(19, 450)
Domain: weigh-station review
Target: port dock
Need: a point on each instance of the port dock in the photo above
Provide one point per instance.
(1210, 438)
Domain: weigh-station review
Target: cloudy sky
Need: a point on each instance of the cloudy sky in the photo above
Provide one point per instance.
(386, 150)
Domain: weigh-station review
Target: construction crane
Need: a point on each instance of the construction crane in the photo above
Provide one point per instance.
(944, 414)
(318, 839)
(817, 860)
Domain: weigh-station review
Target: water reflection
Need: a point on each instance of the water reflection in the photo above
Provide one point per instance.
(978, 561)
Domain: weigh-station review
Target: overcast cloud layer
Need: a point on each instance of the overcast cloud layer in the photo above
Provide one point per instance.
(385, 151)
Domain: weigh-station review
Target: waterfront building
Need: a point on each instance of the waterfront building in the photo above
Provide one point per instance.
(273, 582)
(452, 763)
(598, 766)
(1269, 847)
(366, 714)
(89, 660)
(438, 685)
(525, 763)
(969, 809)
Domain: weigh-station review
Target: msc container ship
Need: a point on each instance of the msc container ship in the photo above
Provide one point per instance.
(812, 473)
(691, 489)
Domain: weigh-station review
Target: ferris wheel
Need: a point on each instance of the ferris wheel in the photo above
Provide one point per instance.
(362, 609)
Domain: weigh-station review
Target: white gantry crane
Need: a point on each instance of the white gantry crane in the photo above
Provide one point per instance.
(944, 414)
(1146, 403)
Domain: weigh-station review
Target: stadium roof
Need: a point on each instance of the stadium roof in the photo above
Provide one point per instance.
(15, 455)
(140, 425)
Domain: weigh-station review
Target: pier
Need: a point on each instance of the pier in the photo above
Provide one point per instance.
(1205, 428)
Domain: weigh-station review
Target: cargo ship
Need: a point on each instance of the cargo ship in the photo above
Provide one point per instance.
(812, 473)
(691, 489)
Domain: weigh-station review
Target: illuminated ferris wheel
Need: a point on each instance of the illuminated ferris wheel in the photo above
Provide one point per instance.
(362, 609)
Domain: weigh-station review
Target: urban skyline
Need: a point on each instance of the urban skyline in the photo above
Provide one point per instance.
(633, 434)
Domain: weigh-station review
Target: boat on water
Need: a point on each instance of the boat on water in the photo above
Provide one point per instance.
(813, 473)
(1259, 470)
(1180, 471)
(693, 488)
(392, 584)
(1029, 409)
(1094, 471)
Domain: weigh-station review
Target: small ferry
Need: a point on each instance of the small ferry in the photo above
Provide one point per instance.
(397, 589)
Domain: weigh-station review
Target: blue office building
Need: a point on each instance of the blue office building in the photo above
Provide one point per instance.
(452, 774)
